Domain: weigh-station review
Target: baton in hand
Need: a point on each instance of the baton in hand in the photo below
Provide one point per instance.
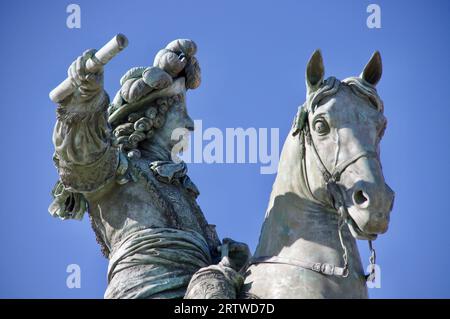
(100, 58)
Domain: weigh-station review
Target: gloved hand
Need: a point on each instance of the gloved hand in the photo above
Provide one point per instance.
(88, 84)
(234, 254)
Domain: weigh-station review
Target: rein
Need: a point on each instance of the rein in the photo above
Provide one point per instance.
(335, 192)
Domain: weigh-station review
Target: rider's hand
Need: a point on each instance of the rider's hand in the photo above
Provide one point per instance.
(88, 84)
(238, 254)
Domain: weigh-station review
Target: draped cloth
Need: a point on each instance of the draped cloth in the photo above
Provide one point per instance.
(156, 263)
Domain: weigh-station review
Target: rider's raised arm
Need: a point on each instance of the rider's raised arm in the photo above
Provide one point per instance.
(83, 155)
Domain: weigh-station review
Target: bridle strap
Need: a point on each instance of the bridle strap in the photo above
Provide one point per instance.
(335, 175)
(373, 260)
(341, 167)
(335, 192)
(337, 196)
(323, 268)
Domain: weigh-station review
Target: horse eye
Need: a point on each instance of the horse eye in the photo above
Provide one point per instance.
(321, 127)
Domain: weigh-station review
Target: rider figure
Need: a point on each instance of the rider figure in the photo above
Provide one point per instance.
(115, 161)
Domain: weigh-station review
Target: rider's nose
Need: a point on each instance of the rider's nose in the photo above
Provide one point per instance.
(189, 124)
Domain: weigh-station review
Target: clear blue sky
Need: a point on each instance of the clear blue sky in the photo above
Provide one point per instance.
(253, 56)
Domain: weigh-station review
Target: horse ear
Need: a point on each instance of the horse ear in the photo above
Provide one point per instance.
(314, 72)
(373, 69)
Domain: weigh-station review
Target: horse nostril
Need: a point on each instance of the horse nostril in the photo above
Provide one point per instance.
(360, 198)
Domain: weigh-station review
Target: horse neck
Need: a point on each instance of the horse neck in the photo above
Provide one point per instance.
(296, 225)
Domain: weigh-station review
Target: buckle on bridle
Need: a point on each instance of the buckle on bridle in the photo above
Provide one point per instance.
(326, 269)
(317, 267)
(327, 177)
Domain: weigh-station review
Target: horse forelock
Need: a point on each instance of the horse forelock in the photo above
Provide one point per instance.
(331, 86)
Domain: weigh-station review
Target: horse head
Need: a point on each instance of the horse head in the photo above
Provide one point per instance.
(340, 126)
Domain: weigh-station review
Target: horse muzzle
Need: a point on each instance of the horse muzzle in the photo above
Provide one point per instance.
(370, 210)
